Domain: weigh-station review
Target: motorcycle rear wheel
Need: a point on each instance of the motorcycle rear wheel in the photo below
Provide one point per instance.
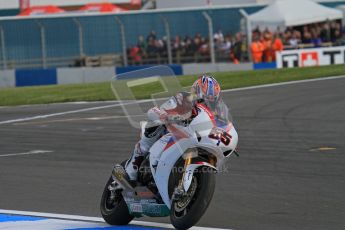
(114, 213)
(186, 217)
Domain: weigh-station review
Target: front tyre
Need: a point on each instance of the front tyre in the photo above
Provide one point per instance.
(114, 209)
(187, 211)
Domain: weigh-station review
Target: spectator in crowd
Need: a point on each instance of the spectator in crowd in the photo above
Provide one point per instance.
(277, 46)
(257, 31)
(333, 29)
(267, 44)
(315, 38)
(160, 46)
(325, 33)
(152, 49)
(204, 48)
(306, 36)
(142, 44)
(338, 40)
(196, 44)
(257, 49)
(295, 39)
(236, 49)
(279, 33)
(177, 44)
(219, 37)
(188, 47)
(336, 33)
(224, 46)
(151, 36)
(135, 55)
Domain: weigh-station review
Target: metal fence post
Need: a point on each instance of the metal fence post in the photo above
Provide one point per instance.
(3, 47)
(210, 35)
(249, 32)
(80, 34)
(43, 44)
(167, 31)
(123, 40)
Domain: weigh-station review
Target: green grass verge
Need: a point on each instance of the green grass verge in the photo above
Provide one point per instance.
(102, 91)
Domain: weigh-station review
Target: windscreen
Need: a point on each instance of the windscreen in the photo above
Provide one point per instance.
(220, 111)
(138, 91)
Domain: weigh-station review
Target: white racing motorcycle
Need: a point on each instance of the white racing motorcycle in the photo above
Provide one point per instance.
(177, 178)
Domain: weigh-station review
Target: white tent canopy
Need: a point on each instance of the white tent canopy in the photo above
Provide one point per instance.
(284, 13)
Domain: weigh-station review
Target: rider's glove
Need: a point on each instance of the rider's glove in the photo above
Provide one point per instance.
(157, 115)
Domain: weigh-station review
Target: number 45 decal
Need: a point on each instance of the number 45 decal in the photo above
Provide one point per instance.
(221, 135)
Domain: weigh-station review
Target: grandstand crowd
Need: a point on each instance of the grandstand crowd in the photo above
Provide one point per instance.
(186, 49)
(265, 43)
(233, 47)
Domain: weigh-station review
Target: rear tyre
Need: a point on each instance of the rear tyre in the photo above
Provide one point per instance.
(114, 211)
(186, 214)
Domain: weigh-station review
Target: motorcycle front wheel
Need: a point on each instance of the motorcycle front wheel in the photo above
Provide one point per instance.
(187, 211)
(114, 211)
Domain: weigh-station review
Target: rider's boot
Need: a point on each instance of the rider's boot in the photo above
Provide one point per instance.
(141, 150)
(133, 164)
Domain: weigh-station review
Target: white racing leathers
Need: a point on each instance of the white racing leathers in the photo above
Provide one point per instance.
(155, 128)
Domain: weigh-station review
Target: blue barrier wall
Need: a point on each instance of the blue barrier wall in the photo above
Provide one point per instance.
(35, 77)
(177, 69)
(75, 75)
(265, 65)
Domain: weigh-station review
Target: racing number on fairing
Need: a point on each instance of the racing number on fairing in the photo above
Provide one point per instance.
(221, 135)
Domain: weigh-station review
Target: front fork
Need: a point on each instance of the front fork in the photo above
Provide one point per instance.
(179, 190)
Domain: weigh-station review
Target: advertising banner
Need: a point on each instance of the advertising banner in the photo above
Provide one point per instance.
(311, 57)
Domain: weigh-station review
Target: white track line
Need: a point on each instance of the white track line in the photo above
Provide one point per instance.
(96, 219)
(282, 83)
(26, 153)
(69, 112)
(56, 114)
(149, 100)
(62, 103)
(76, 119)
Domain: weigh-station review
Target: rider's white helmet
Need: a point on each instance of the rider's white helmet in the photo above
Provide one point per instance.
(207, 89)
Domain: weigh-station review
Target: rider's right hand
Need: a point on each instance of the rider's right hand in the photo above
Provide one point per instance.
(157, 115)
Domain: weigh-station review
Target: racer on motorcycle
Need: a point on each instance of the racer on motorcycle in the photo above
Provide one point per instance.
(205, 90)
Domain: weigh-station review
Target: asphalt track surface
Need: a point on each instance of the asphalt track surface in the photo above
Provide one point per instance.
(285, 178)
